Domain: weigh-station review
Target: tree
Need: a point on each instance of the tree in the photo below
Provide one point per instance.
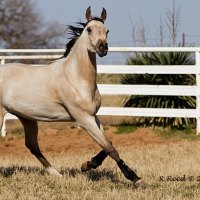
(21, 26)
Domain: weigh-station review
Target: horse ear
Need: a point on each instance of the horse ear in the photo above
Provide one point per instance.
(88, 14)
(103, 15)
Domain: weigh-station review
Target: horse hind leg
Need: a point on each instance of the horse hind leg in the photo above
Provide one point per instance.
(31, 142)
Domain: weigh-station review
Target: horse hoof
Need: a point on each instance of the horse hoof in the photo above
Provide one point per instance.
(140, 183)
(53, 172)
(86, 166)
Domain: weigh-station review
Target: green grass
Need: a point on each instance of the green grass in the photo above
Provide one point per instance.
(167, 133)
(125, 128)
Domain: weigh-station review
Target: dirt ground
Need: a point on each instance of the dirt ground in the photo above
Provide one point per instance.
(55, 138)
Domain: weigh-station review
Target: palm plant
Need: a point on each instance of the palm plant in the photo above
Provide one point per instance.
(161, 58)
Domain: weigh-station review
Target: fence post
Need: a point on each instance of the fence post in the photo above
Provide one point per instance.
(3, 62)
(3, 128)
(197, 57)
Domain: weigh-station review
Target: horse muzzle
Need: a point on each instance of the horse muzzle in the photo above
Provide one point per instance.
(102, 49)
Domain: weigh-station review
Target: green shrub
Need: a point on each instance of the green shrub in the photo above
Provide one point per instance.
(151, 101)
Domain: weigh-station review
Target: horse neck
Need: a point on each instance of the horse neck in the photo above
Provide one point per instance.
(83, 60)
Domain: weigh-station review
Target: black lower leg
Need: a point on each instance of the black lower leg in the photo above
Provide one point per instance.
(128, 173)
(94, 162)
(98, 159)
(37, 153)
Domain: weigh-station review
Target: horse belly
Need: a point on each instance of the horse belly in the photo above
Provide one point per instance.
(39, 112)
(50, 114)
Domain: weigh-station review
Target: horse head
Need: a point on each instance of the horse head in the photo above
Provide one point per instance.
(97, 33)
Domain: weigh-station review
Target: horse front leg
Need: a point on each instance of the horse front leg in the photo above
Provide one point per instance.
(91, 125)
(97, 160)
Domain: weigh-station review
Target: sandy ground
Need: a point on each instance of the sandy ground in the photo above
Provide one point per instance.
(55, 138)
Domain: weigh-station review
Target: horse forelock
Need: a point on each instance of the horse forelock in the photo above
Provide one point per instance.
(94, 18)
(75, 32)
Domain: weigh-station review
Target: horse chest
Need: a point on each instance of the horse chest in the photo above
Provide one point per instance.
(85, 100)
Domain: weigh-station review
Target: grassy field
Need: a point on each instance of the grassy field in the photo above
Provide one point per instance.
(172, 171)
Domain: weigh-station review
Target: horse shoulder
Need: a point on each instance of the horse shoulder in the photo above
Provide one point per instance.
(80, 97)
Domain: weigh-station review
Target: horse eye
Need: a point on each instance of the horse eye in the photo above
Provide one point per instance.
(107, 31)
(89, 30)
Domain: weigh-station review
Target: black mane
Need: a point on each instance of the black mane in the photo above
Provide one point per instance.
(75, 32)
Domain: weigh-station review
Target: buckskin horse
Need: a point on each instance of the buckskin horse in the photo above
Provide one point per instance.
(65, 90)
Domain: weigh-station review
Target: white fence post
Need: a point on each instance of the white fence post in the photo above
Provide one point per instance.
(197, 56)
(2, 61)
(3, 128)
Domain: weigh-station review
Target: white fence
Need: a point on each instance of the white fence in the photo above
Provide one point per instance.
(114, 89)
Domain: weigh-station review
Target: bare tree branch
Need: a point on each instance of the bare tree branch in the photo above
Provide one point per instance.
(173, 22)
(133, 35)
(161, 32)
(142, 33)
(21, 26)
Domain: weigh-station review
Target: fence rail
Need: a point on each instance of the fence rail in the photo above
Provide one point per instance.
(117, 89)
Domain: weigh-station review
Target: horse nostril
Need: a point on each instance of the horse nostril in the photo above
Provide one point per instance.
(101, 46)
(106, 46)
